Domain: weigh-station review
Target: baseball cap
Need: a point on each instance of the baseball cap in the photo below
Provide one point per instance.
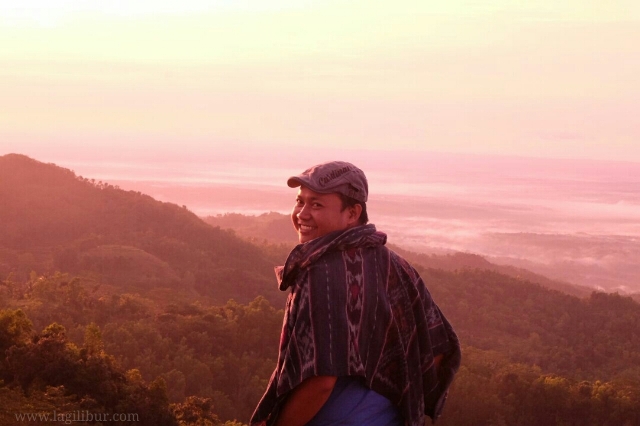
(334, 176)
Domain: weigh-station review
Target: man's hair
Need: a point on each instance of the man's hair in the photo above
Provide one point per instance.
(350, 202)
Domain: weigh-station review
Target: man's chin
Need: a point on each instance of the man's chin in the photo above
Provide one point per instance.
(304, 238)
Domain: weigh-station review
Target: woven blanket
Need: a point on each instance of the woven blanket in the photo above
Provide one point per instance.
(356, 308)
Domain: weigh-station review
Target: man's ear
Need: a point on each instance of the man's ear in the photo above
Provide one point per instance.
(354, 213)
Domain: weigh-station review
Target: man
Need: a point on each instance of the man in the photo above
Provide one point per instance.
(362, 341)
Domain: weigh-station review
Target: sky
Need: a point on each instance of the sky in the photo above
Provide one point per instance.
(107, 80)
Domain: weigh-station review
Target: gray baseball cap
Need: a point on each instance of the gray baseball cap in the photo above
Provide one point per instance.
(334, 176)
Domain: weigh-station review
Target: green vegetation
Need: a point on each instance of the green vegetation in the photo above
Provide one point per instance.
(492, 390)
(159, 314)
(525, 347)
(52, 220)
(123, 355)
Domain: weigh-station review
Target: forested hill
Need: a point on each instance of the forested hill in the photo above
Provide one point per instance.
(272, 227)
(52, 220)
(531, 356)
(276, 228)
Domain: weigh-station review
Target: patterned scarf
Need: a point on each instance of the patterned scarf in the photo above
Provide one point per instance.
(358, 309)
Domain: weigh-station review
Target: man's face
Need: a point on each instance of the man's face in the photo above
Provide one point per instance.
(316, 214)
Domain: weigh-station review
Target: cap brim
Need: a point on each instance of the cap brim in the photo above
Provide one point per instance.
(294, 182)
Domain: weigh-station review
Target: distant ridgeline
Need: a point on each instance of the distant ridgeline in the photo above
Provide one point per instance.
(268, 227)
(113, 302)
(276, 228)
(52, 220)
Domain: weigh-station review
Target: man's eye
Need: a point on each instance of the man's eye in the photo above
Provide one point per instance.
(316, 205)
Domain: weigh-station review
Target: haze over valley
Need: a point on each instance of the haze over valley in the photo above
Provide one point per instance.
(144, 153)
(572, 220)
(112, 301)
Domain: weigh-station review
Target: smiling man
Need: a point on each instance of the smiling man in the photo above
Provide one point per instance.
(362, 341)
(318, 212)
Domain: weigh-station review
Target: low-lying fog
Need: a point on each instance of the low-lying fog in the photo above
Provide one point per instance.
(576, 220)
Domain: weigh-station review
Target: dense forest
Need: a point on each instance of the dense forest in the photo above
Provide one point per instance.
(144, 308)
(52, 219)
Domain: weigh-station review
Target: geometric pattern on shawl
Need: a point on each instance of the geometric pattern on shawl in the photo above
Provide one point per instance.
(356, 308)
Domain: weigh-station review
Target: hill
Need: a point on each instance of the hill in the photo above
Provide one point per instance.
(523, 345)
(276, 228)
(54, 220)
(531, 355)
(458, 261)
(268, 227)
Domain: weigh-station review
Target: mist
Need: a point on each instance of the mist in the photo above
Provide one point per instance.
(574, 220)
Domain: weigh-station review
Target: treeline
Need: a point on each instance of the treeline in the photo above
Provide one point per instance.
(53, 220)
(267, 227)
(216, 360)
(221, 354)
(45, 373)
(142, 320)
(594, 338)
(491, 390)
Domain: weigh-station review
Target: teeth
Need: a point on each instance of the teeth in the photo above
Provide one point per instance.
(305, 228)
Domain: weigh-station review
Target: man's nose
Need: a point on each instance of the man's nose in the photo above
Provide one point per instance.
(303, 212)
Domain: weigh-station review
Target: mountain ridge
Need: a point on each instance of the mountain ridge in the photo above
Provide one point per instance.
(142, 284)
(276, 228)
(53, 218)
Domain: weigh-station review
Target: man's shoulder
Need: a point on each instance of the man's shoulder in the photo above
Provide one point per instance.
(398, 258)
(402, 265)
(393, 260)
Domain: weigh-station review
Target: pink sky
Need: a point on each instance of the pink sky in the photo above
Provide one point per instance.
(162, 79)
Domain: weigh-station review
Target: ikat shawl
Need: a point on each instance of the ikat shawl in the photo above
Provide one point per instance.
(356, 308)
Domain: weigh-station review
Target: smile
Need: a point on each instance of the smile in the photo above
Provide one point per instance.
(306, 228)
